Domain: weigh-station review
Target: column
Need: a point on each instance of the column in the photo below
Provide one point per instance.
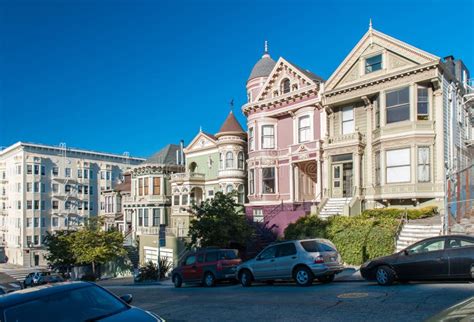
(326, 175)
(318, 179)
(292, 184)
(437, 109)
(369, 174)
(357, 156)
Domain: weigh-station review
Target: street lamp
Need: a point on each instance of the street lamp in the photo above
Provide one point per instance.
(30, 246)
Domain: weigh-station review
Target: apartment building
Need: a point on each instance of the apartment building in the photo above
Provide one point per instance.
(46, 188)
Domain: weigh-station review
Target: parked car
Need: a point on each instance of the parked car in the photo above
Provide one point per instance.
(463, 311)
(49, 279)
(207, 266)
(32, 278)
(300, 260)
(70, 301)
(436, 258)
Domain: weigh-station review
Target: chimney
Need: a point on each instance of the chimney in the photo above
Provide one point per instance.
(181, 148)
(449, 63)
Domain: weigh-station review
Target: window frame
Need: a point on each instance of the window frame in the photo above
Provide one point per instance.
(304, 129)
(352, 120)
(398, 105)
(229, 161)
(367, 65)
(398, 166)
(422, 116)
(251, 139)
(419, 164)
(264, 179)
(270, 144)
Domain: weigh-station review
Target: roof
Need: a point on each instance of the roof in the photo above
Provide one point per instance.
(231, 125)
(263, 67)
(167, 155)
(30, 294)
(308, 73)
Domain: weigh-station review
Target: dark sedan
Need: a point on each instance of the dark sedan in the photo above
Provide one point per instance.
(436, 258)
(72, 301)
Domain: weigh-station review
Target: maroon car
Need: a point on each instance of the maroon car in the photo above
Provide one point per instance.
(207, 266)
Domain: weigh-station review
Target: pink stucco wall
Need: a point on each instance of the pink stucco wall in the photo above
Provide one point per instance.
(285, 132)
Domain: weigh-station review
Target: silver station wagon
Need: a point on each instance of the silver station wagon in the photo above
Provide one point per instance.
(300, 260)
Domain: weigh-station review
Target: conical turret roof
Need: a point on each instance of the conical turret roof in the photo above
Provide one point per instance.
(231, 126)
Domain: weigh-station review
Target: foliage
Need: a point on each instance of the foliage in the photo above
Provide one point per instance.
(357, 238)
(149, 272)
(412, 214)
(218, 222)
(165, 266)
(59, 255)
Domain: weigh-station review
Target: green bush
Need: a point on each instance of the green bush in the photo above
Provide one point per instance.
(412, 214)
(306, 227)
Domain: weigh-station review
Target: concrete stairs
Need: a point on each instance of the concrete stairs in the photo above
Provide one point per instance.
(333, 207)
(132, 253)
(415, 231)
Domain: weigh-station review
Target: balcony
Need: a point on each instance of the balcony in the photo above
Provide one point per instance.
(148, 230)
(187, 176)
(157, 199)
(346, 139)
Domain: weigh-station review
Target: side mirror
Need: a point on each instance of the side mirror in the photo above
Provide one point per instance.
(127, 298)
(405, 252)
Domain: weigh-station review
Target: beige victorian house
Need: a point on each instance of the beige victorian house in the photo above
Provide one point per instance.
(395, 126)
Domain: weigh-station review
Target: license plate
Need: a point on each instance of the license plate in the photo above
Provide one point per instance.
(333, 259)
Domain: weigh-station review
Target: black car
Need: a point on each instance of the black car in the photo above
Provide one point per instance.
(70, 301)
(436, 258)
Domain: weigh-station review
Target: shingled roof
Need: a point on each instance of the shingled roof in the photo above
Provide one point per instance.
(231, 125)
(167, 155)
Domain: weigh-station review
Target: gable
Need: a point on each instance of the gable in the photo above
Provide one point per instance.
(202, 141)
(396, 55)
(282, 70)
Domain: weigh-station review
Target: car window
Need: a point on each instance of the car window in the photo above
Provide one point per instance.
(87, 303)
(427, 246)
(200, 258)
(211, 257)
(190, 260)
(228, 254)
(270, 252)
(311, 246)
(459, 243)
(326, 247)
(287, 249)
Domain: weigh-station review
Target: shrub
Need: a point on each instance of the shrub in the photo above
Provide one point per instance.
(306, 227)
(412, 214)
(149, 272)
(165, 267)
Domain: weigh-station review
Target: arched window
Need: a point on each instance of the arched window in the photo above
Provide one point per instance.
(285, 86)
(192, 167)
(240, 160)
(229, 188)
(241, 194)
(229, 160)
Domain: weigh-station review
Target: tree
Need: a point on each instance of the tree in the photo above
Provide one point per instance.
(218, 222)
(59, 256)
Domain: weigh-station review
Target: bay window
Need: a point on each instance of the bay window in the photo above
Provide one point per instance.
(240, 160)
(422, 103)
(229, 160)
(348, 120)
(423, 164)
(304, 129)
(251, 139)
(397, 103)
(268, 137)
(398, 166)
(241, 194)
(268, 180)
(251, 182)
(377, 168)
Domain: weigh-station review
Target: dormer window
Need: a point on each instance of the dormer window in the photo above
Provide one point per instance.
(285, 86)
(373, 64)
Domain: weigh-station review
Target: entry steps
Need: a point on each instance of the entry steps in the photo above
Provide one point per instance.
(333, 207)
(414, 232)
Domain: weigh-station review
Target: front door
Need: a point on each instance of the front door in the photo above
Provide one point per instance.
(337, 181)
(347, 180)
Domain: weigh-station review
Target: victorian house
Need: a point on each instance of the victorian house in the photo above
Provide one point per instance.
(213, 163)
(284, 117)
(395, 127)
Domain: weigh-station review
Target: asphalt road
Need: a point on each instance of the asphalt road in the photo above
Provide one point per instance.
(338, 301)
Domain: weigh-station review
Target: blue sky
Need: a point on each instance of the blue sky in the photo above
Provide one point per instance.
(134, 76)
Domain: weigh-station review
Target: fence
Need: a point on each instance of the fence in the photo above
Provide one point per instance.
(460, 201)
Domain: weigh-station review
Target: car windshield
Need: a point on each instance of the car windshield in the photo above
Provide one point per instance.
(84, 304)
(228, 254)
(311, 246)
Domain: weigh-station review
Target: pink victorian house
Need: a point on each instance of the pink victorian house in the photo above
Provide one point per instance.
(284, 118)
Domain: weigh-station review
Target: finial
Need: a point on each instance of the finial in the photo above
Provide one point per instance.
(231, 105)
(370, 24)
(266, 46)
(200, 128)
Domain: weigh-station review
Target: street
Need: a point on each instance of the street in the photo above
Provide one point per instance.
(338, 301)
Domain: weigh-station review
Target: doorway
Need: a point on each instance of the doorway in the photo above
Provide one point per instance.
(342, 176)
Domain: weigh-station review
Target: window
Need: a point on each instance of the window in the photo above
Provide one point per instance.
(427, 246)
(229, 160)
(55, 171)
(190, 260)
(55, 222)
(398, 166)
(373, 64)
(258, 215)
(176, 200)
(28, 241)
(229, 188)
(268, 137)
(304, 129)
(156, 185)
(18, 204)
(36, 187)
(67, 205)
(210, 193)
(29, 204)
(241, 194)
(36, 204)
(79, 173)
(43, 170)
(377, 168)
(86, 190)
(423, 164)
(67, 188)
(29, 187)
(184, 199)
(36, 240)
(285, 86)
(79, 189)
(240, 160)
(18, 169)
(422, 104)
(86, 205)
(140, 186)
(29, 222)
(55, 187)
(268, 253)
(145, 217)
(398, 105)
(67, 172)
(287, 249)
(221, 160)
(268, 180)
(86, 173)
(156, 217)
(102, 175)
(252, 181)
(145, 186)
(55, 204)
(460, 243)
(108, 175)
(37, 169)
(348, 120)
(29, 169)
(251, 139)
(36, 222)
(140, 217)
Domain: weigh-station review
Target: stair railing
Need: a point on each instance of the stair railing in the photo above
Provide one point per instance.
(403, 220)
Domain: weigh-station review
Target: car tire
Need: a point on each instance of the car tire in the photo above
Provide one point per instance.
(303, 276)
(245, 278)
(385, 275)
(326, 278)
(209, 280)
(177, 281)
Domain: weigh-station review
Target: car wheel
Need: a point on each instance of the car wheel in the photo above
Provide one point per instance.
(326, 278)
(209, 280)
(303, 276)
(177, 281)
(384, 275)
(245, 278)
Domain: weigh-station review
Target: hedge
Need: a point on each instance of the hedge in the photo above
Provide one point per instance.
(424, 212)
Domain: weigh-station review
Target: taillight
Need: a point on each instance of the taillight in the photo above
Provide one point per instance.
(319, 260)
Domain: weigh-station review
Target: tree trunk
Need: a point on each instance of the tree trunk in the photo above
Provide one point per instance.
(93, 268)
